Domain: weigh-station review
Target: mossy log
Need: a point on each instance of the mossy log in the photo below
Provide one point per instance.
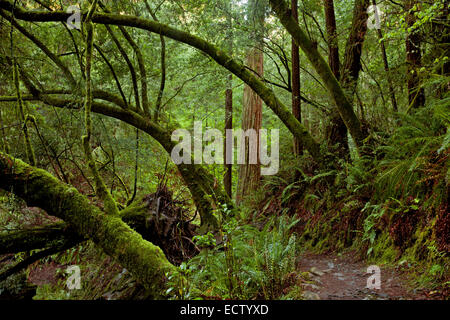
(38, 188)
(156, 217)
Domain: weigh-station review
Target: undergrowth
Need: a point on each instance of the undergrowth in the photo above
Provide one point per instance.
(246, 263)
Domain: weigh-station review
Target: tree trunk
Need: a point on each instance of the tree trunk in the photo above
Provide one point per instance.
(349, 73)
(250, 174)
(386, 66)
(334, 88)
(333, 47)
(228, 176)
(296, 102)
(354, 46)
(335, 131)
(416, 94)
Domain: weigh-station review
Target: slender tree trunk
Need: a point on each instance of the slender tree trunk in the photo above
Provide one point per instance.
(353, 49)
(250, 174)
(333, 47)
(228, 176)
(4, 147)
(334, 88)
(296, 102)
(386, 66)
(416, 94)
(336, 130)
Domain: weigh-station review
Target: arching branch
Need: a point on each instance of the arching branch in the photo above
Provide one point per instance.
(223, 59)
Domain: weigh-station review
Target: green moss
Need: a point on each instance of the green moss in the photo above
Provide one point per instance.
(295, 293)
(384, 250)
(424, 240)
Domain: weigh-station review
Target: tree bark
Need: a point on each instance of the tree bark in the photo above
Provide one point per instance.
(333, 46)
(335, 131)
(250, 174)
(353, 49)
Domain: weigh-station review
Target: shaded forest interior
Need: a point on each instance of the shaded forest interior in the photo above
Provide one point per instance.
(123, 175)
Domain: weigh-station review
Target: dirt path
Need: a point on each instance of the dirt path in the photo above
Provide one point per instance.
(344, 278)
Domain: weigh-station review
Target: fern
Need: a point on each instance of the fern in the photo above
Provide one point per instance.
(408, 153)
(262, 262)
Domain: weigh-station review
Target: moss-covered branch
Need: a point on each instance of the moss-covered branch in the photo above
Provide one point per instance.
(36, 238)
(220, 56)
(35, 257)
(43, 48)
(114, 74)
(129, 64)
(162, 85)
(141, 65)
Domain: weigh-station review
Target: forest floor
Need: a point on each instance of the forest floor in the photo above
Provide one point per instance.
(343, 277)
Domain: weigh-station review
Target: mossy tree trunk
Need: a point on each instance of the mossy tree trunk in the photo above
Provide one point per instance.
(348, 73)
(38, 188)
(335, 131)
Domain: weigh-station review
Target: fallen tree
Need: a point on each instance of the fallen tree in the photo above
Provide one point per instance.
(145, 261)
(157, 217)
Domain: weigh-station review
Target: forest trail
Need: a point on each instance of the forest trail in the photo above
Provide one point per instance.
(344, 277)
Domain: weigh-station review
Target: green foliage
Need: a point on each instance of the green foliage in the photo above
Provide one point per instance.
(203, 241)
(410, 147)
(376, 212)
(409, 152)
(248, 264)
(275, 255)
